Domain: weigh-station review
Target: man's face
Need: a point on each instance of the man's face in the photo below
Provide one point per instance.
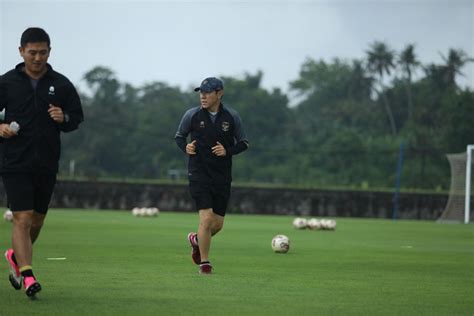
(211, 100)
(35, 56)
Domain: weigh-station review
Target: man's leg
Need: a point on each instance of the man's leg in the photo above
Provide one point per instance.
(43, 188)
(22, 253)
(22, 194)
(23, 249)
(21, 238)
(38, 220)
(209, 225)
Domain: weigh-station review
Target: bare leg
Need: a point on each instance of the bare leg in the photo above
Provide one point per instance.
(38, 220)
(209, 225)
(21, 238)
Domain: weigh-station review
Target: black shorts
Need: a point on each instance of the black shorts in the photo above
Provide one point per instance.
(28, 191)
(214, 196)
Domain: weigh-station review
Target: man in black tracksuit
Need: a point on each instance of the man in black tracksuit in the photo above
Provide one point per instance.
(38, 103)
(216, 135)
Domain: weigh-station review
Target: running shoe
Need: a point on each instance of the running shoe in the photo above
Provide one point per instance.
(205, 268)
(15, 275)
(195, 254)
(31, 286)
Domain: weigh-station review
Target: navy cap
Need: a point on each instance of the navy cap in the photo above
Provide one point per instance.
(210, 84)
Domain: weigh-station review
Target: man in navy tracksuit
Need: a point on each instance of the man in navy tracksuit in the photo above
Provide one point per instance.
(216, 135)
(38, 104)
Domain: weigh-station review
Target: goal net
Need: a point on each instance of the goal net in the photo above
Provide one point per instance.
(459, 209)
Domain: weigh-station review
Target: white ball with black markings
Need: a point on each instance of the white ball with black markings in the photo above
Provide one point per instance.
(281, 244)
(314, 223)
(300, 223)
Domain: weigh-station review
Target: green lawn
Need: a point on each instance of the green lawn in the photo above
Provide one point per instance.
(122, 265)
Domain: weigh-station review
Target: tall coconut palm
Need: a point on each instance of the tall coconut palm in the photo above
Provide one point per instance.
(444, 75)
(455, 61)
(408, 62)
(360, 84)
(380, 61)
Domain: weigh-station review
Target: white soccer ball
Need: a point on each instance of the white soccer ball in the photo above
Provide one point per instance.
(280, 244)
(314, 223)
(142, 211)
(8, 216)
(328, 224)
(324, 223)
(154, 211)
(300, 223)
(136, 211)
(331, 224)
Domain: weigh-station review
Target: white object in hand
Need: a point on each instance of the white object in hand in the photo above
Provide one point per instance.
(8, 216)
(15, 127)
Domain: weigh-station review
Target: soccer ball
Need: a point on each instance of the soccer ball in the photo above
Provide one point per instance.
(300, 223)
(314, 223)
(136, 211)
(331, 224)
(145, 211)
(328, 224)
(8, 216)
(142, 211)
(152, 211)
(155, 211)
(280, 244)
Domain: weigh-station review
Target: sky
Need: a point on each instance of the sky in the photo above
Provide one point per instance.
(181, 42)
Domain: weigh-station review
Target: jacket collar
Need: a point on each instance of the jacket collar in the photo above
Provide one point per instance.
(21, 66)
(219, 109)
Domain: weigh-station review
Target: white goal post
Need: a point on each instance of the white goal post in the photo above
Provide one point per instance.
(458, 207)
(467, 202)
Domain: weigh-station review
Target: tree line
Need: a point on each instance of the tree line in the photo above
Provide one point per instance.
(345, 129)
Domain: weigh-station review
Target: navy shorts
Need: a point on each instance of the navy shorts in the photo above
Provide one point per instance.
(29, 191)
(214, 196)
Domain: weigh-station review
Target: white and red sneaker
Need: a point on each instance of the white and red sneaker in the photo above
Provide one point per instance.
(31, 286)
(195, 253)
(15, 275)
(205, 268)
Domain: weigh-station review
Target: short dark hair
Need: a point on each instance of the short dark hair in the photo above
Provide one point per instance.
(34, 35)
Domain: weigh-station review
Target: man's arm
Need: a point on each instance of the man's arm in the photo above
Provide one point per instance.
(184, 129)
(2, 99)
(72, 111)
(242, 142)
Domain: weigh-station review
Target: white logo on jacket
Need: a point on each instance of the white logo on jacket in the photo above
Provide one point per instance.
(51, 90)
(225, 126)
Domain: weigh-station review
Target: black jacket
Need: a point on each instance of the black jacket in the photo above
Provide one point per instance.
(227, 130)
(37, 147)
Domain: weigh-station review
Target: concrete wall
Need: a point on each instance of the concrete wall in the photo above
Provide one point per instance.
(125, 196)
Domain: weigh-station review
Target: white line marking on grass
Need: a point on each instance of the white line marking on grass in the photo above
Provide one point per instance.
(57, 259)
(407, 247)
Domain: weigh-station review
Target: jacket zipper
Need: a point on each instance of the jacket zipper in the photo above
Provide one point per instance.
(36, 124)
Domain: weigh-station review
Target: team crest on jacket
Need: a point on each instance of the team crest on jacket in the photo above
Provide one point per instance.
(201, 124)
(51, 90)
(225, 126)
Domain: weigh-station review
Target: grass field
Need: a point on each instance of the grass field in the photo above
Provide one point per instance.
(121, 265)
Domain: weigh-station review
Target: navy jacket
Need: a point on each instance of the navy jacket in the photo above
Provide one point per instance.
(226, 129)
(37, 147)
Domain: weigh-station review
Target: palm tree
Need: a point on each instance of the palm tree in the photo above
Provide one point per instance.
(444, 76)
(360, 84)
(408, 61)
(380, 62)
(455, 61)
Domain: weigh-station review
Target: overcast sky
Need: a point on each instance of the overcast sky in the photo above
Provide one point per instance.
(181, 42)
